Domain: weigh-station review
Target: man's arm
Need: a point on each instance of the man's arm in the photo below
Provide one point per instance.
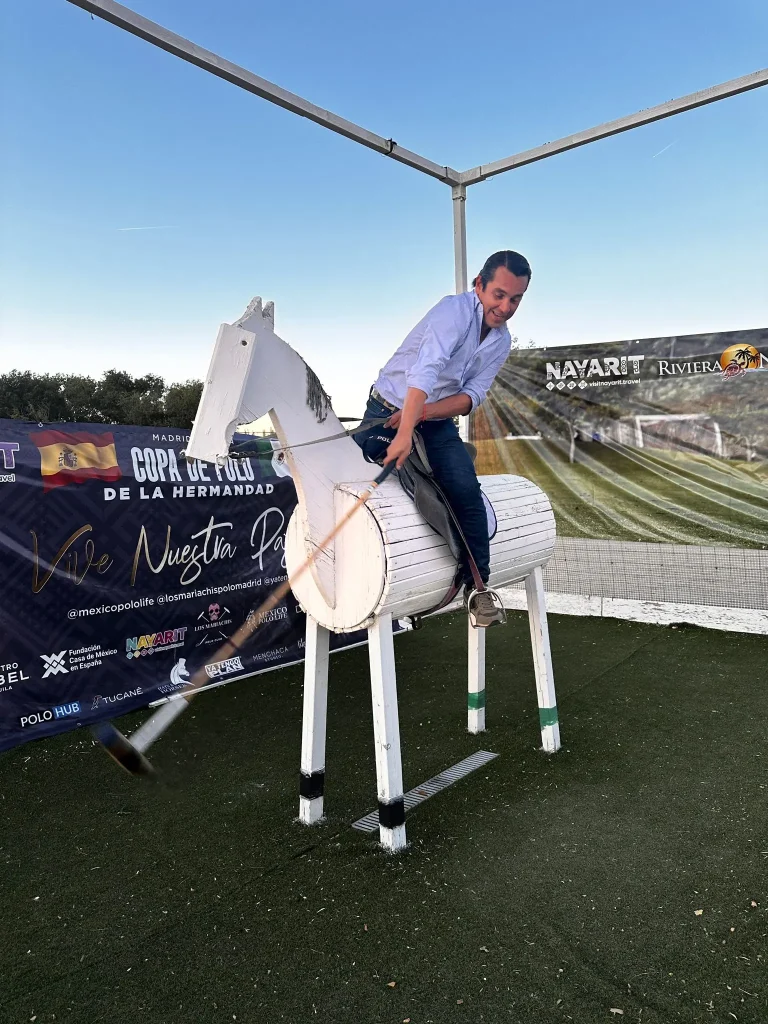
(414, 411)
(445, 409)
(478, 387)
(443, 329)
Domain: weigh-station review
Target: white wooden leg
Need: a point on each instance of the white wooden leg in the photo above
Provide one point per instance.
(386, 734)
(542, 661)
(476, 679)
(312, 781)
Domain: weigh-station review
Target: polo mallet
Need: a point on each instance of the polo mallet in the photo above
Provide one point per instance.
(120, 747)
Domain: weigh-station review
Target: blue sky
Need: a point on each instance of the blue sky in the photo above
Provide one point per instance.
(659, 231)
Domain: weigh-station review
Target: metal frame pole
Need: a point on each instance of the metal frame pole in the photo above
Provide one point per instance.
(736, 86)
(151, 32)
(128, 20)
(459, 193)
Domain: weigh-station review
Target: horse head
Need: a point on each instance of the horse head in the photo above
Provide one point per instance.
(254, 373)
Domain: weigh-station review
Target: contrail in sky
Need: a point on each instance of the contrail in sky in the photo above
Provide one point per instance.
(149, 227)
(663, 150)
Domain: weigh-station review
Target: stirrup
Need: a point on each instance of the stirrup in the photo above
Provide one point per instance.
(498, 604)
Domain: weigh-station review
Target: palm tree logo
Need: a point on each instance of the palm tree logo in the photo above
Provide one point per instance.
(738, 359)
(747, 356)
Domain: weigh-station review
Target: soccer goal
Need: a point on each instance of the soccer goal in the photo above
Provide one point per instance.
(691, 431)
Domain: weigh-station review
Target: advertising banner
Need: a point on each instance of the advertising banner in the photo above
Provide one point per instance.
(124, 568)
(656, 440)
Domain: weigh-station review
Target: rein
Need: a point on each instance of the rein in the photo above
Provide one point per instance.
(242, 451)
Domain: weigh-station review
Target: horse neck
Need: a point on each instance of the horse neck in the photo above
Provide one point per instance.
(300, 413)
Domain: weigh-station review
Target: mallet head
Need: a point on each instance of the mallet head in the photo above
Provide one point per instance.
(121, 749)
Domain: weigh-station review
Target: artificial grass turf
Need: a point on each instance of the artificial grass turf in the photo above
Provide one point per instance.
(539, 889)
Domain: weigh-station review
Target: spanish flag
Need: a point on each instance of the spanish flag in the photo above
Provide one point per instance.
(73, 458)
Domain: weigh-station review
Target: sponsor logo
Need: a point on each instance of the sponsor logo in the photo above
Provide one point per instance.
(213, 615)
(584, 369)
(8, 451)
(669, 369)
(74, 458)
(54, 664)
(179, 673)
(179, 677)
(739, 359)
(735, 361)
(10, 674)
(212, 638)
(50, 714)
(276, 652)
(223, 668)
(273, 615)
(213, 618)
(115, 698)
(152, 643)
(76, 660)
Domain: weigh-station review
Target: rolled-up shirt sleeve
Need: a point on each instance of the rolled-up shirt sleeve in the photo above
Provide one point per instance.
(478, 386)
(442, 333)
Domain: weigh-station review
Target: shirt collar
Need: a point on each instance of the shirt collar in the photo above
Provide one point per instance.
(477, 304)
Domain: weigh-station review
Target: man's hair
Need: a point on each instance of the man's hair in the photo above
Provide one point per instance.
(512, 261)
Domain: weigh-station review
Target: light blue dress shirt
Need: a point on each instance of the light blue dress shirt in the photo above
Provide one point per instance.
(443, 355)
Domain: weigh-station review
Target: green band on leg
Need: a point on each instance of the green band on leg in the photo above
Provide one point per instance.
(547, 716)
(476, 701)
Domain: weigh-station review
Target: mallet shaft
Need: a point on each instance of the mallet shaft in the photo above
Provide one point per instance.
(199, 680)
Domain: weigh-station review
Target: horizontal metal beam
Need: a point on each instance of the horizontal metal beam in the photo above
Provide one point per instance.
(153, 33)
(623, 124)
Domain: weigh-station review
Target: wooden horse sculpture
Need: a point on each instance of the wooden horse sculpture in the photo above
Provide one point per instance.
(386, 563)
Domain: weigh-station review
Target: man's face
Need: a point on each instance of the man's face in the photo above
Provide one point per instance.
(501, 296)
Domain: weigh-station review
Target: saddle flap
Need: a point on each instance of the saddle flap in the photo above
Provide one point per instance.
(417, 483)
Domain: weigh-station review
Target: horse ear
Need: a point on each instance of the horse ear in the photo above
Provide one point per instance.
(254, 306)
(269, 314)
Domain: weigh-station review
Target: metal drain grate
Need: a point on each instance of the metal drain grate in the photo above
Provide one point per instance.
(370, 822)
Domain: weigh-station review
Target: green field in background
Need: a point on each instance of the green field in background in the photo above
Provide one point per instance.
(648, 495)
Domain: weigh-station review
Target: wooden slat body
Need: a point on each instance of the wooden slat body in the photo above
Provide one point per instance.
(411, 563)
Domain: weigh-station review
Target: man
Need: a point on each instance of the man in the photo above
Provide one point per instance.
(444, 368)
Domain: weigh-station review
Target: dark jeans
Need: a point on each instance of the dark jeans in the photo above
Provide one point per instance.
(454, 471)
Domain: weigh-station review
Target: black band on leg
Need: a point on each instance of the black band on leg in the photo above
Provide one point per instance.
(392, 815)
(312, 786)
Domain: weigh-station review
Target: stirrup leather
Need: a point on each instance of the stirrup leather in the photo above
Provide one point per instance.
(498, 603)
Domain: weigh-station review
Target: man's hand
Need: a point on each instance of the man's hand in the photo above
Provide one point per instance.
(394, 420)
(404, 421)
(400, 449)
